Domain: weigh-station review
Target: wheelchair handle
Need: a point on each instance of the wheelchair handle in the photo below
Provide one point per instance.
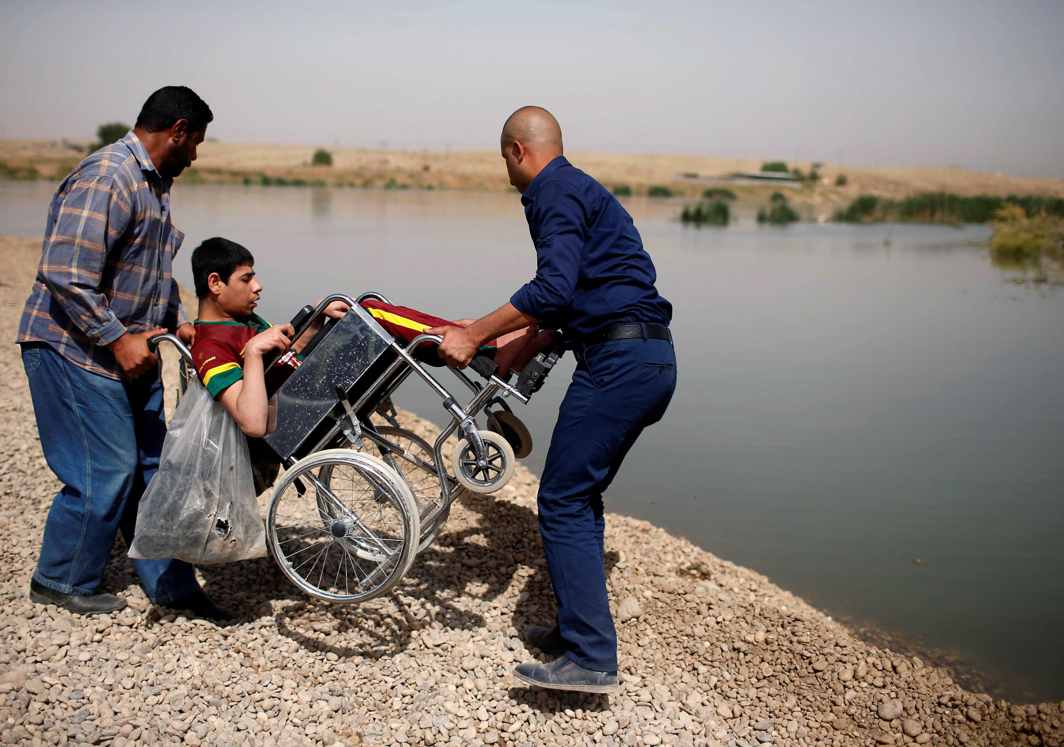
(153, 344)
(423, 338)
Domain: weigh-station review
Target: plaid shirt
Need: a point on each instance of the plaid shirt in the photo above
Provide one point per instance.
(106, 264)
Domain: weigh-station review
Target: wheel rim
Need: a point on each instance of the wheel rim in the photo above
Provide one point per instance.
(493, 473)
(487, 473)
(348, 536)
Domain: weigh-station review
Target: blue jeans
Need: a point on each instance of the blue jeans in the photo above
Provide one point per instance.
(102, 439)
(618, 389)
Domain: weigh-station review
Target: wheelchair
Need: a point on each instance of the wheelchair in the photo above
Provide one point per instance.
(360, 495)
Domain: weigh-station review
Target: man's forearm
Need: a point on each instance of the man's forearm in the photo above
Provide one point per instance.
(87, 309)
(504, 319)
(460, 343)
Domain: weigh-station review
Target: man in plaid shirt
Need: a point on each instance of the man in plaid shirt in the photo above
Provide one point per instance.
(104, 286)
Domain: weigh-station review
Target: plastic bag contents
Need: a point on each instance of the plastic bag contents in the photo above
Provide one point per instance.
(200, 506)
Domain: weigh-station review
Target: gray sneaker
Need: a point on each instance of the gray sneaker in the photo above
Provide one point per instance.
(565, 674)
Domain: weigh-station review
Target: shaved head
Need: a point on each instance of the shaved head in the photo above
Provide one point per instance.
(535, 128)
(531, 138)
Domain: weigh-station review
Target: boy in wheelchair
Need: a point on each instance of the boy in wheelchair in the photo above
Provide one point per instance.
(233, 346)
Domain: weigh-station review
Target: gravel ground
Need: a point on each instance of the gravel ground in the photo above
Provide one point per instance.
(711, 653)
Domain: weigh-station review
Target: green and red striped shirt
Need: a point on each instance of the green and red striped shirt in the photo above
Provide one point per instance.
(218, 352)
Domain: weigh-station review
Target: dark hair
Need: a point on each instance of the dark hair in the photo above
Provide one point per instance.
(217, 255)
(171, 103)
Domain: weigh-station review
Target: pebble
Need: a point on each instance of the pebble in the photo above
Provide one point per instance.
(16, 678)
(629, 609)
(911, 727)
(890, 709)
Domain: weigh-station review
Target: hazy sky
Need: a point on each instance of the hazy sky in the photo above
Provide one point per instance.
(969, 83)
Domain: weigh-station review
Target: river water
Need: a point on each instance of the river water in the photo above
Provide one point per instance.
(871, 416)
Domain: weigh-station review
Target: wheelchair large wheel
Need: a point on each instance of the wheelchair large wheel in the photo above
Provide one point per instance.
(343, 526)
(413, 459)
(491, 474)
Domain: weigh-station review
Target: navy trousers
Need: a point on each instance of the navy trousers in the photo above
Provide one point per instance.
(618, 389)
(102, 439)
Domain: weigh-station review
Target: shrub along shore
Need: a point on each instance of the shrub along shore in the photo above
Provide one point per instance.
(945, 207)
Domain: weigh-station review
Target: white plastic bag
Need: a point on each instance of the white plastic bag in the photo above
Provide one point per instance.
(200, 506)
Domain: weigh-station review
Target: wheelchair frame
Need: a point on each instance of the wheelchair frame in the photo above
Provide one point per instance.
(483, 460)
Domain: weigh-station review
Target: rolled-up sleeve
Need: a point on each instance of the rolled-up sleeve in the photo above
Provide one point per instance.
(558, 220)
(93, 215)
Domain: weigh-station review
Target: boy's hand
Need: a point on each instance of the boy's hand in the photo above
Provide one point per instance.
(275, 338)
(336, 310)
(187, 333)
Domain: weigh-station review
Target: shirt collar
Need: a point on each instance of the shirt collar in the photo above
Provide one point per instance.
(131, 141)
(533, 186)
(136, 147)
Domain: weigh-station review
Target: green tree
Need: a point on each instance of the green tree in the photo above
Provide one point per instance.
(321, 157)
(108, 133)
(777, 167)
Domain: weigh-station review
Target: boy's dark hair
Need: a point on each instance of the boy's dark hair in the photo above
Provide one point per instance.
(171, 103)
(217, 255)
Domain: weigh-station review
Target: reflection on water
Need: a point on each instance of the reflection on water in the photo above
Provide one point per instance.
(851, 398)
(321, 202)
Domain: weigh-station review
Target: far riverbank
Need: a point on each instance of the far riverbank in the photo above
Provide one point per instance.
(685, 176)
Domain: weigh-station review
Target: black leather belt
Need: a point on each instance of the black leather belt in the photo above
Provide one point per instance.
(629, 331)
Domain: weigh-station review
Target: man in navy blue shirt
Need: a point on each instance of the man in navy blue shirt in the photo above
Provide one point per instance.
(594, 280)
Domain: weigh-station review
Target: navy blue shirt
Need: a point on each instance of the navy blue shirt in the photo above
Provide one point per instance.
(591, 268)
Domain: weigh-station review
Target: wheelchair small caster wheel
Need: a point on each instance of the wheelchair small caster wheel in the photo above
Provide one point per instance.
(510, 427)
(493, 472)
